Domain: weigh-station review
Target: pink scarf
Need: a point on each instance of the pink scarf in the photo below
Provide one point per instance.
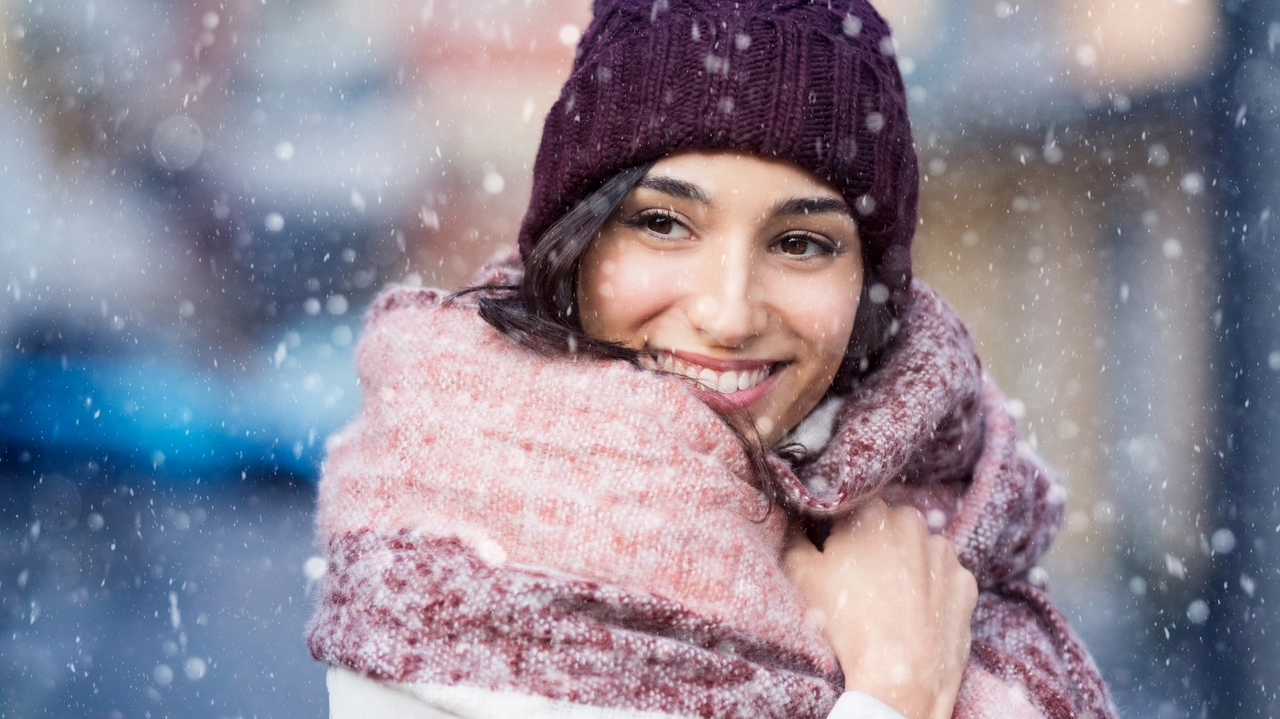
(585, 531)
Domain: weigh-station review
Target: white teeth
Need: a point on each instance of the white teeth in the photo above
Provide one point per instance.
(728, 382)
(722, 382)
(710, 380)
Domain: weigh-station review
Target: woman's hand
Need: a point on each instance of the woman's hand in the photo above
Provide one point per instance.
(895, 604)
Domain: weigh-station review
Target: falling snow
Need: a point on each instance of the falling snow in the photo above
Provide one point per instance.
(200, 201)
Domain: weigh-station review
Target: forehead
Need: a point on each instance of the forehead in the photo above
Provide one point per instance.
(735, 173)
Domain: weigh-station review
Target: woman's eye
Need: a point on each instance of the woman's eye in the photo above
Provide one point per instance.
(797, 246)
(660, 224)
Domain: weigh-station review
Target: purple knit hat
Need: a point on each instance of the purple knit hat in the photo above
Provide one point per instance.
(813, 82)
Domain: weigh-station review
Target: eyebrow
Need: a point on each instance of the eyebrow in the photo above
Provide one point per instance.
(675, 188)
(811, 206)
(789, 207)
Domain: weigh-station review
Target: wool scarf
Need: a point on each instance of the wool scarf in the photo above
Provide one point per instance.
(585, 531)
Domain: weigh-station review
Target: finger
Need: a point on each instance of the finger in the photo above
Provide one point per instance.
(970, 584)
(869, 517)
(801, 552)
(799, 558)
(964, 580)
(942, 548)
(911, 518)
(875, 511)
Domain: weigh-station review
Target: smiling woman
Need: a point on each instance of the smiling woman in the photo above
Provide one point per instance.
(704, 448)
(738, 272)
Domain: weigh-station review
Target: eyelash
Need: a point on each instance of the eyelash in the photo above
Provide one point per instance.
(641, 220)
(825, 247)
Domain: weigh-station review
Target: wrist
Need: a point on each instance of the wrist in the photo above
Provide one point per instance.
(859, 705)
(892, 681)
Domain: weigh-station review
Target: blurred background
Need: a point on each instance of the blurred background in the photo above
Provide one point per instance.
(198, 199)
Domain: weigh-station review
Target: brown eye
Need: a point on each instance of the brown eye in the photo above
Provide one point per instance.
(659, 224)
(795, 246)
(805, 247)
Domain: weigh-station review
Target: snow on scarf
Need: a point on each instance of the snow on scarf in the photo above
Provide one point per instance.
(581, 530)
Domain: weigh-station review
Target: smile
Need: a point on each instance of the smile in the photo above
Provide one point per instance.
(742, 375)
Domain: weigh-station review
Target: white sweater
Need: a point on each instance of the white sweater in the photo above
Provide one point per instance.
(355, 696)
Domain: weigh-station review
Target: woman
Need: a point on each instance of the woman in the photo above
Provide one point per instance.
(519, 523)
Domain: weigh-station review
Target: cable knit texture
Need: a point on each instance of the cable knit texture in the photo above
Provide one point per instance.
(586, 531)
(816, 83)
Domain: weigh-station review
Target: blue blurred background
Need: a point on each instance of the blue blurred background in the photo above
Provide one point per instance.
(198, 199)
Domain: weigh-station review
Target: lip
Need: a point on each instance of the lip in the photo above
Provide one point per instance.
(742, 398)
(720, 365)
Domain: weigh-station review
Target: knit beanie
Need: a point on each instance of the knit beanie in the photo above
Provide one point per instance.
(814, 82)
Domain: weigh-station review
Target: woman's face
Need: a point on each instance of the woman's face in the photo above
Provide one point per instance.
(740, 272)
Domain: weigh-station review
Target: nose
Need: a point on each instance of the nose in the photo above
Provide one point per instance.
(726, 305)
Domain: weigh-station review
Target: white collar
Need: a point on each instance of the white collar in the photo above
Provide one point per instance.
(815, 430)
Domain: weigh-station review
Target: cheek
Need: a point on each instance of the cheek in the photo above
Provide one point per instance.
(838, 326)
(823, 314)
(620, 291)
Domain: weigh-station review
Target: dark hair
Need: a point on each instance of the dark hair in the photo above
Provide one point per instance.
(541, 312)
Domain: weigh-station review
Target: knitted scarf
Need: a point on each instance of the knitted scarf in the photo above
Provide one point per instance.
(587, 532)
